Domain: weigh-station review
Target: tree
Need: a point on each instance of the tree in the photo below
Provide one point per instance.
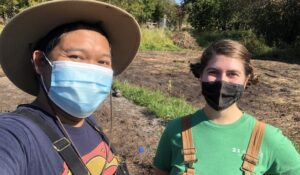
(278, 21)
(142, 10)
(147, 10)
(216, 15)
(9, 8)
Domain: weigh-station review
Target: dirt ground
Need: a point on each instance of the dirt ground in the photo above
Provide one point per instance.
(275, 99)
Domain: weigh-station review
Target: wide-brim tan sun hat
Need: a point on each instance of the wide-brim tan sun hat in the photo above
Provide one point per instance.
(28, 27)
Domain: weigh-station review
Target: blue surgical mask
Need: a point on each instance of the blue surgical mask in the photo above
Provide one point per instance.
(78, 88)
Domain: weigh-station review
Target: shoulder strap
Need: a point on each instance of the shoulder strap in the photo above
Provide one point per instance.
(188, 150)
(100, 131)
(122, 168)
(250, 159)
(61, 144)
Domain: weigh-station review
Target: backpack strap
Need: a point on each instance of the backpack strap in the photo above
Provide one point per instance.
(188, 150)
(61, 144)
(250, 159)
(122, 168)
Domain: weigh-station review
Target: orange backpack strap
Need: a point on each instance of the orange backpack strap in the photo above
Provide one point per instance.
(188, 151)
(251, 157)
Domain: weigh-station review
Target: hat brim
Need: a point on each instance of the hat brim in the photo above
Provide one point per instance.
(25, 29)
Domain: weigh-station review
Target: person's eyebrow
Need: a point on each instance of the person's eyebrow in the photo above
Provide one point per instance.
(230, 70)
(74, 49)
(234, 71)
(84, 51)
(212, 68)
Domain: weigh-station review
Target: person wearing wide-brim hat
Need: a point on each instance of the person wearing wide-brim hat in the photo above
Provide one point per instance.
(65, 53)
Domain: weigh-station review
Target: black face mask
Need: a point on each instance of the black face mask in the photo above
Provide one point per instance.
(220, 94)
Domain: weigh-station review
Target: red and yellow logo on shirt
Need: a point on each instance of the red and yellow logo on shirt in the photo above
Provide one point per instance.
(100, 160)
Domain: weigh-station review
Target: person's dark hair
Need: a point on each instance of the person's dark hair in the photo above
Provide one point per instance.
(48, 42)
(229, 48)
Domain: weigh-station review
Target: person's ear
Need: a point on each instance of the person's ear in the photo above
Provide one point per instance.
(38, 61)
(246, 81)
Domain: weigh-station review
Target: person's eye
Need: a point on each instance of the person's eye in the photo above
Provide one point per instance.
(104, 62)
(74, 57)
(212, 72)
(233, 74)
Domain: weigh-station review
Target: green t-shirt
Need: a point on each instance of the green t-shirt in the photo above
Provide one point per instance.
(219, 148)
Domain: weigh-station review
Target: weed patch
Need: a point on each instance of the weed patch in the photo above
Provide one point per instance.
(163, 106)
(158, 40)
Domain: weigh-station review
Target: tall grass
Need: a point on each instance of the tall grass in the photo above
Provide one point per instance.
(157, 39)
(163, 106)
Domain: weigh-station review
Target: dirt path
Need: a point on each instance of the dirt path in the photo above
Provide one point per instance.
(133, 128)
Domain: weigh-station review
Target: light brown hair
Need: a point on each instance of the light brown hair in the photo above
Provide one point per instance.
(229, 48)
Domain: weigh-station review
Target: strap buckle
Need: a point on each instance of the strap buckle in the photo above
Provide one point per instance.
(61, 144)
(189, 171)
(247, 172)
(251, 159)
(188, 151)
(190, 163)
(189, 156)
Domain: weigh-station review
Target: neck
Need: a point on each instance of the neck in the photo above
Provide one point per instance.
(226, 116)
(43, 102)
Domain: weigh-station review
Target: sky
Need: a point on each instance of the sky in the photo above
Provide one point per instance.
(178, 1)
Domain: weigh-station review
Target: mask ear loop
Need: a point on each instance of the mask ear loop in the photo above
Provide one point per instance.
(40, 75)
(61, 126)
(64, 131)
(110, 131)
(111, 116)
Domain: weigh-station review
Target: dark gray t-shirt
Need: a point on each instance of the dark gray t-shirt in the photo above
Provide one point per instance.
(26, 150)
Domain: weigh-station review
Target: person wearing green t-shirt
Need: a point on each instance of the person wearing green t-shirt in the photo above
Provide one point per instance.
(221, 131)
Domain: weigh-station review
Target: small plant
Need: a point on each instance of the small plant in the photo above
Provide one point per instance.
(169, 88)
(163, 106)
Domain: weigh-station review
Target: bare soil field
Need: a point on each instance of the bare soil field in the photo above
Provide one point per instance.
(275, 99)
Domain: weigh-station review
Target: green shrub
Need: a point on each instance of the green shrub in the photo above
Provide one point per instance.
(276, 21)
(256, 45)
(157, 39)
(206, 38)
(163, 106)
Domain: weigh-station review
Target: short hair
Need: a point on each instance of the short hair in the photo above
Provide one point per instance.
(48, 42)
